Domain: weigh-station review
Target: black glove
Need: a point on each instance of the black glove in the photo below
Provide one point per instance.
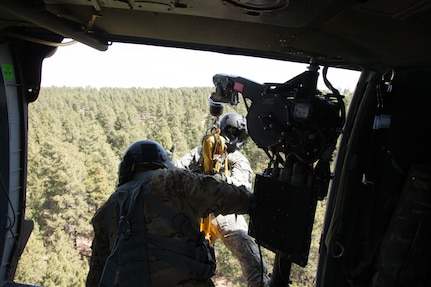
(220, 177)
(253, 203)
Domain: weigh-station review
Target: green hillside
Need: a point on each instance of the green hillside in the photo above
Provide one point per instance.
(76, 139)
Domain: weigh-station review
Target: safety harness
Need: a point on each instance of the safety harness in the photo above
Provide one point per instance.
(213, 158)
(214, 152)
(133, 245)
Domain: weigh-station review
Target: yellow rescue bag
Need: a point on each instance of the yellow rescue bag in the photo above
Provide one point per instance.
(214, 156)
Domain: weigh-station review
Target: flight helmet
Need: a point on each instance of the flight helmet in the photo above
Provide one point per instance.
(143, 153)
(233, 128)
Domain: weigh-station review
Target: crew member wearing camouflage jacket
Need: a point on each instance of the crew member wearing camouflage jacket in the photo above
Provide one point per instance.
(233, 228)
(156, 251)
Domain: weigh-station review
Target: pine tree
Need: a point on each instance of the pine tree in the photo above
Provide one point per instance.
(76, 139)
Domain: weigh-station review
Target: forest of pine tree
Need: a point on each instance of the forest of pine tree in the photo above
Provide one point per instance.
(76, 139)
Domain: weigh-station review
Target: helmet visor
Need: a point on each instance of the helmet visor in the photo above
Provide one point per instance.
(235, 134)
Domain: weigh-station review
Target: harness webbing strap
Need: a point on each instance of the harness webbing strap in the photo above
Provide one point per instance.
(134, 263)
(123, 232)
(111, 265)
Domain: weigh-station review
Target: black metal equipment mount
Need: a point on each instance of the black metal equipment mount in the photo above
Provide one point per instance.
(297, 126)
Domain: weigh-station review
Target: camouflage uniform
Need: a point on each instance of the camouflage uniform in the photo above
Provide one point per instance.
(233, 228)
(193, 195)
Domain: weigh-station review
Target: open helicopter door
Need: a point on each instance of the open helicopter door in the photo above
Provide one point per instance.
(19, 85)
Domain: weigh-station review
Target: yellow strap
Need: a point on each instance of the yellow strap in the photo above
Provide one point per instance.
(213, 152)
(209, 229)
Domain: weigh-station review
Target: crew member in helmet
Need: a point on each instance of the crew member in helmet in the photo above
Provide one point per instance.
(147, 233)
(232, 228)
